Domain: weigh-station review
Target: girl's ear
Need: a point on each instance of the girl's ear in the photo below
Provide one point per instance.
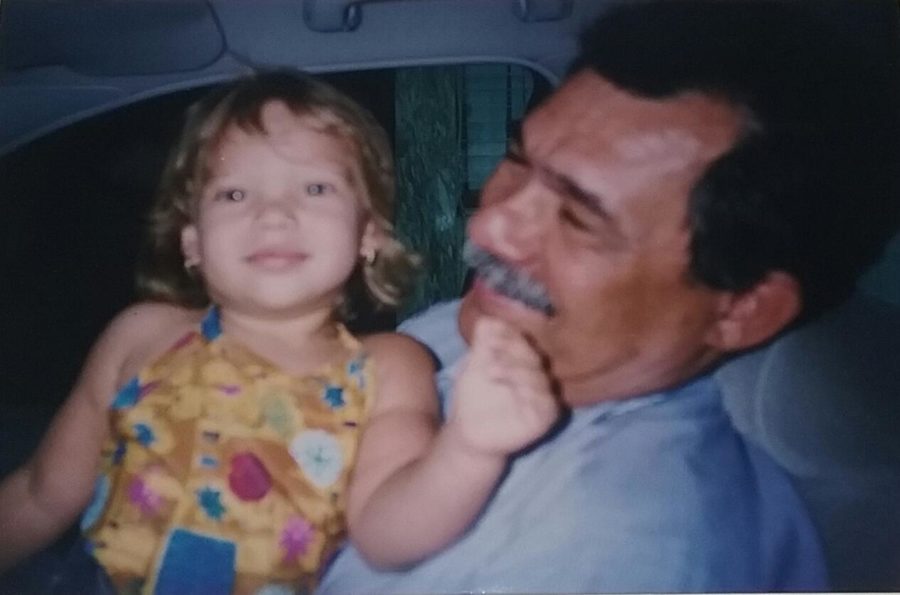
(190, 246)
(756, 315)
(373, 239)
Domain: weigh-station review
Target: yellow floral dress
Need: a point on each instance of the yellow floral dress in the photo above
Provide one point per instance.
(225, 474)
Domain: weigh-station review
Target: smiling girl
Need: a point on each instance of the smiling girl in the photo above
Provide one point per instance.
(230, 428)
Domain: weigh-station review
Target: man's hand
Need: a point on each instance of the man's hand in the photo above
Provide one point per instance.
(503, 398)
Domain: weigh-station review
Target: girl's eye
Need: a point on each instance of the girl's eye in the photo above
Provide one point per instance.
(231, 195)
(318, 189)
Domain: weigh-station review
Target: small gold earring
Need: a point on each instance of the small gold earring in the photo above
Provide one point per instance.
(369, 255)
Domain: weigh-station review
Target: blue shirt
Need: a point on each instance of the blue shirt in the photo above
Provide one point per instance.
(655, 493)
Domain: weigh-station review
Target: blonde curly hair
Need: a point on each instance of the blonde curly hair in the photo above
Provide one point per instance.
(162, 274)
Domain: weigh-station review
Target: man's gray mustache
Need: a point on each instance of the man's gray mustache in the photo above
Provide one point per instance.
(507, 281)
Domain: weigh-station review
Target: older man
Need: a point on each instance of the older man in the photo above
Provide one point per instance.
(695, 186)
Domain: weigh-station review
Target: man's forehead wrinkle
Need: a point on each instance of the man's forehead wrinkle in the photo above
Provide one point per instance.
(648, 145)
(554, 140)
(590, 116)
(665, 151)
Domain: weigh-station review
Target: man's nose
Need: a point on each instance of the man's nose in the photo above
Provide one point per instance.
(512, 226)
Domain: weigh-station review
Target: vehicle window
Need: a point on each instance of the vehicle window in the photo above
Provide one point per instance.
(73, 206)
(452, 128)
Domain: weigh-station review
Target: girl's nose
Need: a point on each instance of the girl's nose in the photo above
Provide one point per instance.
(276, 210)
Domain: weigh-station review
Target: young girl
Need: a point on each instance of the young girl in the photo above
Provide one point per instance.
(237, 426)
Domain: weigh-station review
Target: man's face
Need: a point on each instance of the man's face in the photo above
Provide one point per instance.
(587, 219)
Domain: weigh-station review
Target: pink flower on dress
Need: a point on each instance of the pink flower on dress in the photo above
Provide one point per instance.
(296, 537)
(142, 496)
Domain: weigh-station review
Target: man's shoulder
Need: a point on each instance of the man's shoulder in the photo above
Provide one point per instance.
(676, 456)
(676, 482)
(437, 318)
(438, 328)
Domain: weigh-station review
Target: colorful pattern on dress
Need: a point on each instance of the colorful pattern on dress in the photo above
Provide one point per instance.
(225, 474)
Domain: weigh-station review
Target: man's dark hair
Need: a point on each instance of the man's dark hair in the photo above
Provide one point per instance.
(811, 187)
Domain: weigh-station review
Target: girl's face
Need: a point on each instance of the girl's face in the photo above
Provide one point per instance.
(280, 224)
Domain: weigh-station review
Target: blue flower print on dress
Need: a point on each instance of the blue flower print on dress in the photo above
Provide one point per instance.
(144, 434)
(334, 396)
(319, 455)
(128, 396)
(98, 502)
(210, 501)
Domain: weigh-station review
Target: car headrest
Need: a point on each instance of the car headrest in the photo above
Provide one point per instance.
(825, 394)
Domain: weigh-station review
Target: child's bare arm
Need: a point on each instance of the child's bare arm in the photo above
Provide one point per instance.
(43, 497)
(417, 489)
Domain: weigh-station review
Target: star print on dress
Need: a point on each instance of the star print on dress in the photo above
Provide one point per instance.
(334, 396)
(210, 501)
(144, 434)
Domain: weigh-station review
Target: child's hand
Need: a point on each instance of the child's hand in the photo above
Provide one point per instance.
(503, 399)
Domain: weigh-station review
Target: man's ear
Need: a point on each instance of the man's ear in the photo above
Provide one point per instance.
(755, 315)
(190, 246)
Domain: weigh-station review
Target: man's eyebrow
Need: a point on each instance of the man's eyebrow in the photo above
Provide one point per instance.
(590, 200)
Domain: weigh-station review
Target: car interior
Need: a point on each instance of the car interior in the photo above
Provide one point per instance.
(92, 93)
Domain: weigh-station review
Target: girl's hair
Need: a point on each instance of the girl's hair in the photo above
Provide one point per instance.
(162, 274)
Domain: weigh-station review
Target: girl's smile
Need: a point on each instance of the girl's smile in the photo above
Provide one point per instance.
(277, 259)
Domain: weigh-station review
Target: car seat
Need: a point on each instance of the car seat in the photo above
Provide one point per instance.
(824, 401)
